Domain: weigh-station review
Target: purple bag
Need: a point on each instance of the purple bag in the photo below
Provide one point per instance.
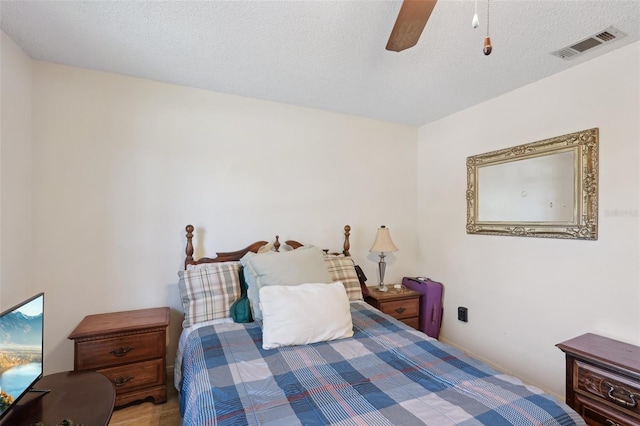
(430, 303)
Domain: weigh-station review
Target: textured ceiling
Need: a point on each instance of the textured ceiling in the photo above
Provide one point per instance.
(321, 54)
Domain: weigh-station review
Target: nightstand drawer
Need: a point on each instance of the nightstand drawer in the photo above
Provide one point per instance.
(139, 375)
(599, 414)
(412, 322)
(401, 308)
(402, 305)
(93, 354)
(607, 386)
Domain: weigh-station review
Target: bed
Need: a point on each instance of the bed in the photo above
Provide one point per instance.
(374, 371)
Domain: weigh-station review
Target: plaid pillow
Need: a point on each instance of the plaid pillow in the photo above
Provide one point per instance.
(207, 292)
(342, 269)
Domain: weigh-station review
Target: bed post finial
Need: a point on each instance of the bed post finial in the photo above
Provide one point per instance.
(276, 245)
(347, 244)
(189, 250)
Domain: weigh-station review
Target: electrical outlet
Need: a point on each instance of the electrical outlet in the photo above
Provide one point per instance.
(463, 314)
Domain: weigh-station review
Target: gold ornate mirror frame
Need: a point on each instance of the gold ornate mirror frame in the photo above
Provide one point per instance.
(547, 189)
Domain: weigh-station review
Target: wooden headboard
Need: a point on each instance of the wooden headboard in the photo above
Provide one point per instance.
(237, 255)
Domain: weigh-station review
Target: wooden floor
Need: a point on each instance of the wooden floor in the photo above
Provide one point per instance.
(150, 414)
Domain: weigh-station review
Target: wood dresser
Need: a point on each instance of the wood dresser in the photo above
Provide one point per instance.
(129, 348)
(403, 305)
(603, 380)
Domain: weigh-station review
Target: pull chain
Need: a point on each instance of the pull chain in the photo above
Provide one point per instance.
(475, 22)
(487, 40)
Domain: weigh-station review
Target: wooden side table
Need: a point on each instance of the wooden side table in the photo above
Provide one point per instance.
(84, 397)
(403, 305)
(603, 379)
(129, 348)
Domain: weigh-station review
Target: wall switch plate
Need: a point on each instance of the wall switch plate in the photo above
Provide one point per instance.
(463, 314)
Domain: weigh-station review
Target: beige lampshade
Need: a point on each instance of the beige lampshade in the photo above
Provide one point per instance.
(383, 242)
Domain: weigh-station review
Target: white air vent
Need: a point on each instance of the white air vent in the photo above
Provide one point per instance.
(605, 36)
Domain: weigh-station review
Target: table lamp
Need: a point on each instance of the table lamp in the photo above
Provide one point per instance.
(382, 244)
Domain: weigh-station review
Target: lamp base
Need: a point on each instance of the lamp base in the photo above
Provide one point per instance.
(382, 265)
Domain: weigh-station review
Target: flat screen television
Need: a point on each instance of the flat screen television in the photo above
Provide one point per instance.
(21, 350)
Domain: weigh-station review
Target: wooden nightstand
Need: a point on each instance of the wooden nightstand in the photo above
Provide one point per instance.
(129, 348)
(402, 305)
(603, 380)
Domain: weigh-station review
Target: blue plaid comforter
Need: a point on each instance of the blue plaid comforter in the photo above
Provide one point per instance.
(387, 374)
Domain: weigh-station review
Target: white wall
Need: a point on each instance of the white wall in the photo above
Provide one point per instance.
(121, 165)
(526, 294)
(15, 175)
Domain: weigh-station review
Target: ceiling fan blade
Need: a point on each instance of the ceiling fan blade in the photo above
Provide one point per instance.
(412, 18)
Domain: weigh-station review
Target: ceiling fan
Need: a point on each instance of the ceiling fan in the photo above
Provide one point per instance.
(412, 19)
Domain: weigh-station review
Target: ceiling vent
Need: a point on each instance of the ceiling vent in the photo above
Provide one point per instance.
(605, 36)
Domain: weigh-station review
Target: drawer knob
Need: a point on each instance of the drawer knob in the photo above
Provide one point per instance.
(122, 380)
(610, 422)
(121, 351)
(622, 391)
(400, 310)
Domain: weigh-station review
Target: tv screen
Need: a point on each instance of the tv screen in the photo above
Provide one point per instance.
(21, 349)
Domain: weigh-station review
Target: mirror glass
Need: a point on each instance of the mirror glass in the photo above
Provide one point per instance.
(542, 189)
(538, 189)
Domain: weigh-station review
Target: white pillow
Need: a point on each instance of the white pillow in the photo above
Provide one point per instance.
(303, 265)
(307, 313)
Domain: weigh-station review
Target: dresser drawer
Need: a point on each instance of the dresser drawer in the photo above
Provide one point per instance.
(599, 414)
(139, 375)
(93, 354)
(607, 386)
(412, 322)
(401, 308)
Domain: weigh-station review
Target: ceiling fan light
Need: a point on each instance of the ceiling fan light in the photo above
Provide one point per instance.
(475, 21)
(487, 46)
